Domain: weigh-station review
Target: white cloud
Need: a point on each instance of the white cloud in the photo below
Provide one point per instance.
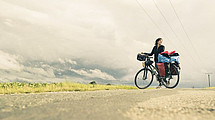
(96, 73)
(61, 61)
(66, 60)
(49, 73)
(17, 70)
(9, 62)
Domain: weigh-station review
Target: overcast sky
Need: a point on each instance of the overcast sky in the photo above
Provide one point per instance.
(85, 40)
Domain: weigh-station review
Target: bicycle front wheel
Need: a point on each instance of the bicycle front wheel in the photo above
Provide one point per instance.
(143, 78)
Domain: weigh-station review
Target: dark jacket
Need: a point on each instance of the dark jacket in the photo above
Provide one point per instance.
(156, 51)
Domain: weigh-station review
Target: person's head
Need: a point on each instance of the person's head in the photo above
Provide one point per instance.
(158, 41)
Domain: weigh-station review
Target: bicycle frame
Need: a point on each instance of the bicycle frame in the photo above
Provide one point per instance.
(151, 67)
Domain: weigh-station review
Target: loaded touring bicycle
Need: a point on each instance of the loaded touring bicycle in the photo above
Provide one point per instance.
(167, 71)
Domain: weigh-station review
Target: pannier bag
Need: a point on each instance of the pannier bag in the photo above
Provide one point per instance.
(163, 69)
(163, 59)
(141, 57)
(173, 70)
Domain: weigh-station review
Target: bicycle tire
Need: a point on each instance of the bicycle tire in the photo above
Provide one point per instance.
(178, 78)
(135, 81)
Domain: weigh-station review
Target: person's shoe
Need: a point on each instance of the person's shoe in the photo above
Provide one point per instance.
(159, 86)
(167, 83)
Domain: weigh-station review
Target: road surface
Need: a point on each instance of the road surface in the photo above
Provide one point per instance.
(154, 104)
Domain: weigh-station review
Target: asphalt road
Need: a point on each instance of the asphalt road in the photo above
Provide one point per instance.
(162, 104)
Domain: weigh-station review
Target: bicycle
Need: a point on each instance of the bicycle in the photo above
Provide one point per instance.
(145, 76)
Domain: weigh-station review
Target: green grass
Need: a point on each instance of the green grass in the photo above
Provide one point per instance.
(16, 87)
(210, 87)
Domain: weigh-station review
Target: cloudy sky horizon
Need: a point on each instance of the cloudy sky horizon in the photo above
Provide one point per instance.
(86, 40)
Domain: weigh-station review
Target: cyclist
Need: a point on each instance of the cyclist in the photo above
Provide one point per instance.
(157, 49)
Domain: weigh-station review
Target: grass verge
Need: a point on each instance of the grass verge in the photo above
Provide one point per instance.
(210, 88)
(16, 87)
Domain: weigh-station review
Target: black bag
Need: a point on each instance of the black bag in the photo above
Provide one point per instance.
(141, 57)
(173, 70)
(166, 55)
(174, 54)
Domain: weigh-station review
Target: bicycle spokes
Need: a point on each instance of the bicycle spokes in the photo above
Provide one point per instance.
(145, 74)
(143, 78)
(171, 81)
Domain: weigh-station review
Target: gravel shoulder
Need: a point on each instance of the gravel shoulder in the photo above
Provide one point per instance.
(187, 104)
(109, 105)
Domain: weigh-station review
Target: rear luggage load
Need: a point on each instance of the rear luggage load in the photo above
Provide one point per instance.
(163, 69)
(174, 59)
(172, 68)
(167, 57)
(166, 60)
(163, 59)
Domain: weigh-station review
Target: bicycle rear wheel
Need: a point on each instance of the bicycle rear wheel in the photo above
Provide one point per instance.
(143, 78)
(172, 80)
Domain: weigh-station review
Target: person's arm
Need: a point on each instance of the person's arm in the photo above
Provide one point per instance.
(152, 52)
(163, 49)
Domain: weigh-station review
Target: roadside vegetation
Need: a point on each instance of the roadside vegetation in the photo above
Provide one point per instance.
(16, 87)
(210, 87)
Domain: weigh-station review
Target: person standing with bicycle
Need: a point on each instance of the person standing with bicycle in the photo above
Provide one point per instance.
(157, 49)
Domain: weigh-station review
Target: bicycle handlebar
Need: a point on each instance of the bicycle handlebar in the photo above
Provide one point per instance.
(147, 56)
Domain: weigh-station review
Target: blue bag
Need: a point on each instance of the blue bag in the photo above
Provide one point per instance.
(163, 59)
(174, 59)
